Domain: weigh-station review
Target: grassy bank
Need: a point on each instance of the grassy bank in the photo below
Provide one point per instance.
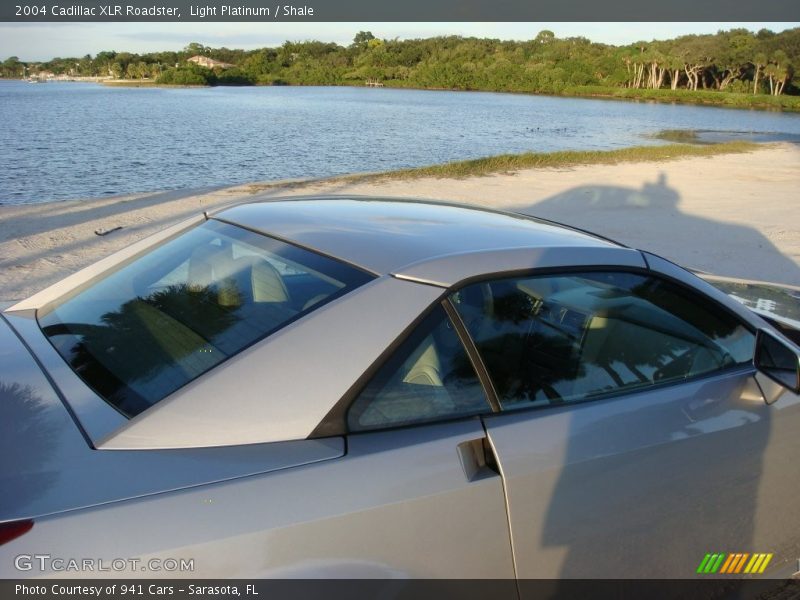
(135, 83)
(681, 96)
(678, 136)
(705, 97)
(131, 83)
(506, 163)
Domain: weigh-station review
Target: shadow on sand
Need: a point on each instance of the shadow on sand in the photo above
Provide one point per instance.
(649, 218)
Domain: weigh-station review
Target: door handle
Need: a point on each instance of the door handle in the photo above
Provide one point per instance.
(477, 459)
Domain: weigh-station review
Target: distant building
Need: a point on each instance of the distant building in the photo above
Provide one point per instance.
(209, 63)
(42, 75)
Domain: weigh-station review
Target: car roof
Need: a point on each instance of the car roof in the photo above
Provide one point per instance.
(404, 242)
(386, 235)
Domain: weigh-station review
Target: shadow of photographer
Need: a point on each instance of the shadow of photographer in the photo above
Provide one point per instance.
(650, 218)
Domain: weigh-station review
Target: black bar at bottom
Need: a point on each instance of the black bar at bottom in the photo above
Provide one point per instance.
(402, 589)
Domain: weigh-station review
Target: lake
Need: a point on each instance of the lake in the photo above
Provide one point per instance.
(78, 140)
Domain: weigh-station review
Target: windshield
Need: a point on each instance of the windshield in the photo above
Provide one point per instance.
(161, 321)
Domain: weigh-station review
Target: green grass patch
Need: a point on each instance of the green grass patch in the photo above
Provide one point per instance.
(506, 163)
(678, 136)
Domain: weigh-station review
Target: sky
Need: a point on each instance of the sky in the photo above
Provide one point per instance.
(43, 41)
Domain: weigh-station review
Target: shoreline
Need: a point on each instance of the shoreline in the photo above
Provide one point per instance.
(731, 214)
(688, 145)
(708, 98)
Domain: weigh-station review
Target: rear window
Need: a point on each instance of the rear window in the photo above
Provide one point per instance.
(161, 321)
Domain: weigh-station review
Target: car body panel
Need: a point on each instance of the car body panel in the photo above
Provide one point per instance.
(94, 416)
(51, 468)
(397, 505)
(644, 485)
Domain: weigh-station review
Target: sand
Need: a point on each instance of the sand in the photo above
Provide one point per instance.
(734, 215)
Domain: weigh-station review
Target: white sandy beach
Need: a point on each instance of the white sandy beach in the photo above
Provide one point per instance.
(735, 215)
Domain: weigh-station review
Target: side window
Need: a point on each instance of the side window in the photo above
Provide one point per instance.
(430, 377)
(554, 338)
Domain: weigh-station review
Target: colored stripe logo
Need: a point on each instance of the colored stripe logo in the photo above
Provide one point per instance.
(734, 564)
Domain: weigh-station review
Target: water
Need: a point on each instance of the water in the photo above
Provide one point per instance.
(73, 140)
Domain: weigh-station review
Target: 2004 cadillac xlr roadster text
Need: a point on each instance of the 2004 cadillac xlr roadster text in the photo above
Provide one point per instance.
(372, 387)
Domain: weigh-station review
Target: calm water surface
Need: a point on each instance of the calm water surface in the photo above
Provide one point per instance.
(73, 140)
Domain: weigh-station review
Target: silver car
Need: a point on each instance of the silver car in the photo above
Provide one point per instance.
(357, 387)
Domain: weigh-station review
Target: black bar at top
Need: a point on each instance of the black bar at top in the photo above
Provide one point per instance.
(400, 10)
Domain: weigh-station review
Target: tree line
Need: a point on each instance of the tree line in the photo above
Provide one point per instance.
(736, 60)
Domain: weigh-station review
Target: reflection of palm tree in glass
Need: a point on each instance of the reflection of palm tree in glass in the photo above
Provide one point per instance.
(633, 331)
(152, 345)
(526, 356)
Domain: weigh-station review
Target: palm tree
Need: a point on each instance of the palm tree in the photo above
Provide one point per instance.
(759, 62)
(779, 72)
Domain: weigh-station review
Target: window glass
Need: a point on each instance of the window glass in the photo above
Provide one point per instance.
(430, 377)
(161, 321)
(549, 339)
